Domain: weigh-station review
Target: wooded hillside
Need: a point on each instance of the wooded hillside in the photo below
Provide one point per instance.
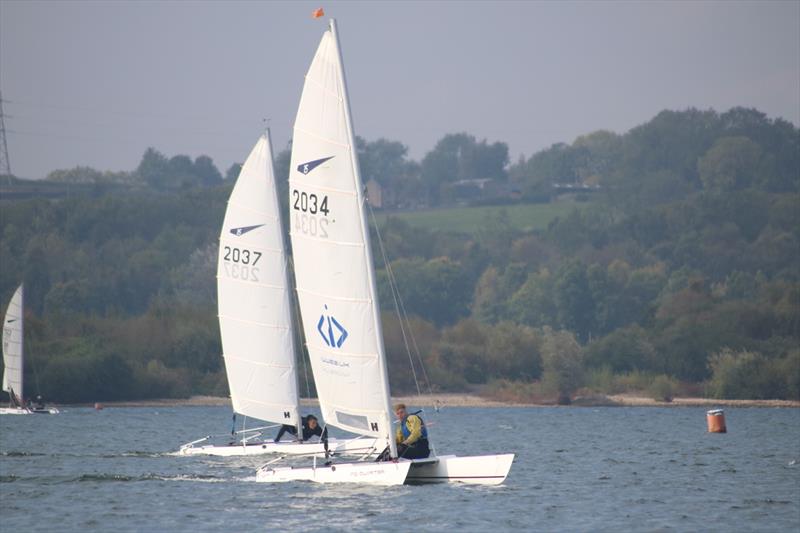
(670, 263)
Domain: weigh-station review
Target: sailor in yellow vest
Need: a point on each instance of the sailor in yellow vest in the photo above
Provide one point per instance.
(411, 435)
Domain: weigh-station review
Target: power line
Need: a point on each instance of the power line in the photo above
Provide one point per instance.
(5, 164)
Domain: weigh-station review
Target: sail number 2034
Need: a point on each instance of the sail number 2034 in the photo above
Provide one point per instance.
(309, 203)
(307, 210)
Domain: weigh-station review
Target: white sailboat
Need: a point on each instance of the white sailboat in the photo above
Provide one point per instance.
(255, 320)
(338, 297)
(14, 362)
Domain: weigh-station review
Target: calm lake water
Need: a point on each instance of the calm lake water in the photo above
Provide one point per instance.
(577, 469)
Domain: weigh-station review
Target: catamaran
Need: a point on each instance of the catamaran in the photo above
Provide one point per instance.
(255, 319)
(13, 361)
(336, 290)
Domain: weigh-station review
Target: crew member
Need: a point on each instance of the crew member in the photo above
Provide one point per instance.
(311, 427)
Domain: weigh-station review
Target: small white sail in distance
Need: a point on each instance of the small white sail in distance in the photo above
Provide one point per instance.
(254, 299)
(13, 340)
(332, 256)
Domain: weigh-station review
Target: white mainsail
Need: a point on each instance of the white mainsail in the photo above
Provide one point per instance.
(254, 298)
(12, 346)
(332, 256)
(337, 294)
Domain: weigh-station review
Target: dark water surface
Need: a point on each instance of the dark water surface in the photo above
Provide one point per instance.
(577, 469)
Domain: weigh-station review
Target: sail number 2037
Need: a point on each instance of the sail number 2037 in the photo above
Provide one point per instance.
(240, 263)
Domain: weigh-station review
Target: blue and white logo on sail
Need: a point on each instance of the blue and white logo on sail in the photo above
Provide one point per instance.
(332, 332)
(241, 231)
(305, 168)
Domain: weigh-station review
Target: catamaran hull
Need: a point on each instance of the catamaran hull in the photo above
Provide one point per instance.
(366, 447)
(371, 473)
(46, 411)
(473, 470)
(26, 411)
(14, 411)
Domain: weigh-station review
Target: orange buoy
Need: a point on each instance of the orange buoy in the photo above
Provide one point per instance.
(716, 421)
(98, 406)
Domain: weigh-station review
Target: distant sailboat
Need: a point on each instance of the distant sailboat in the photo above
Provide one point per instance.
(338, 297)
(255, 318)
(14, 362)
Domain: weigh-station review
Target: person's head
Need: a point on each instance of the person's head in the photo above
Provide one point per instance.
(311, 421)
(400, 411)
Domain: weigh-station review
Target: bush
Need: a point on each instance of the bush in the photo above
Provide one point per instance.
(750, 375)
(662, 389)
(562, 360)
(504, 390)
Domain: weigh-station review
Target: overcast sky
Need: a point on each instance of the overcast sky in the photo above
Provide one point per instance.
(96, 83)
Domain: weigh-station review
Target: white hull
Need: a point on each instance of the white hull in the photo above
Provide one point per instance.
(474, 470)
(14, 411)
(371, 473)
(45, 411)
(366, 447)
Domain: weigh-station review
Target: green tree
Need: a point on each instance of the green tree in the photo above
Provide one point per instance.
(153, 168)
(575, 304)
(730, 164)
(437, 290)
(513, 352)
(562, 362)
(458, 157)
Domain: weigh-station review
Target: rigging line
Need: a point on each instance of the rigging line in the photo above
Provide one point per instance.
(395, 287)
(411, 331)
(394, 297)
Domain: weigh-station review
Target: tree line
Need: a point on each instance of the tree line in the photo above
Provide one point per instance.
(679, 273)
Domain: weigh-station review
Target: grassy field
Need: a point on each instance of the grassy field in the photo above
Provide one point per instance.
(525, 217)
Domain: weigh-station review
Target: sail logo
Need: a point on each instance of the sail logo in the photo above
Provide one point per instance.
(332, 332)
(305, 168)
(238, 232)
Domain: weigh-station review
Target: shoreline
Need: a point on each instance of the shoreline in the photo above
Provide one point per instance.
(472, 400)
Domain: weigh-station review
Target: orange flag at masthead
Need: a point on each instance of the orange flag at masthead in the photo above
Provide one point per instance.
(317, 13)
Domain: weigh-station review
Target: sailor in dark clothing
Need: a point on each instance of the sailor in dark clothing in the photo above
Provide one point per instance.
(311, 427)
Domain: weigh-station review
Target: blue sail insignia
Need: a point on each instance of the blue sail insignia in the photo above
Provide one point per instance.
(333, 338)
(238, 232)
(305, 168)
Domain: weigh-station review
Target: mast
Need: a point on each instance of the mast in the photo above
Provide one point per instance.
(368, 248)
(289, 284)
(21, 342)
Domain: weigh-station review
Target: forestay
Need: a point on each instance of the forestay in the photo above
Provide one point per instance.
(12, 346)
(332, 257)
(254, 298)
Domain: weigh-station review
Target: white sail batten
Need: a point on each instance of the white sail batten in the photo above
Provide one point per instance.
(332, 256)
(254, 297)
(13, 339)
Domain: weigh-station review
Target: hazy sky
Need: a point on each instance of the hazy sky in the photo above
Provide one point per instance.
(96, 83)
